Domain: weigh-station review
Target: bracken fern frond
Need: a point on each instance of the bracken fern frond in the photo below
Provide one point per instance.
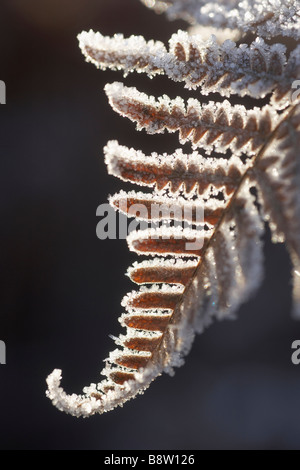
(243, 171)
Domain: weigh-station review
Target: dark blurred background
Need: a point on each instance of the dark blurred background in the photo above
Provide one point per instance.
(61, 287)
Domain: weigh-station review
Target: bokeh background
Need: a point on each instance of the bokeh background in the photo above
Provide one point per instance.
(61, 287)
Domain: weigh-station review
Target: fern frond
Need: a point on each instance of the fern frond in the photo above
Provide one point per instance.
(266, 18)
(278, 181)
(168, 241)
(228, 271)
(255, 70)
(144, 206)
(214, 125)
(179, 172)
(161, 271)
(162, 322)
(208, 267)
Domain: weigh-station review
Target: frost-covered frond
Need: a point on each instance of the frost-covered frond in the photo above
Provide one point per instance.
(204, 216)
(267, 18)
(224, 269)
(278, 179)
(168, 241)
(183, 297)
(255, 70)
(161, 271)
(119, 53)
(177, 173)
(154, 208)
(219, 126)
